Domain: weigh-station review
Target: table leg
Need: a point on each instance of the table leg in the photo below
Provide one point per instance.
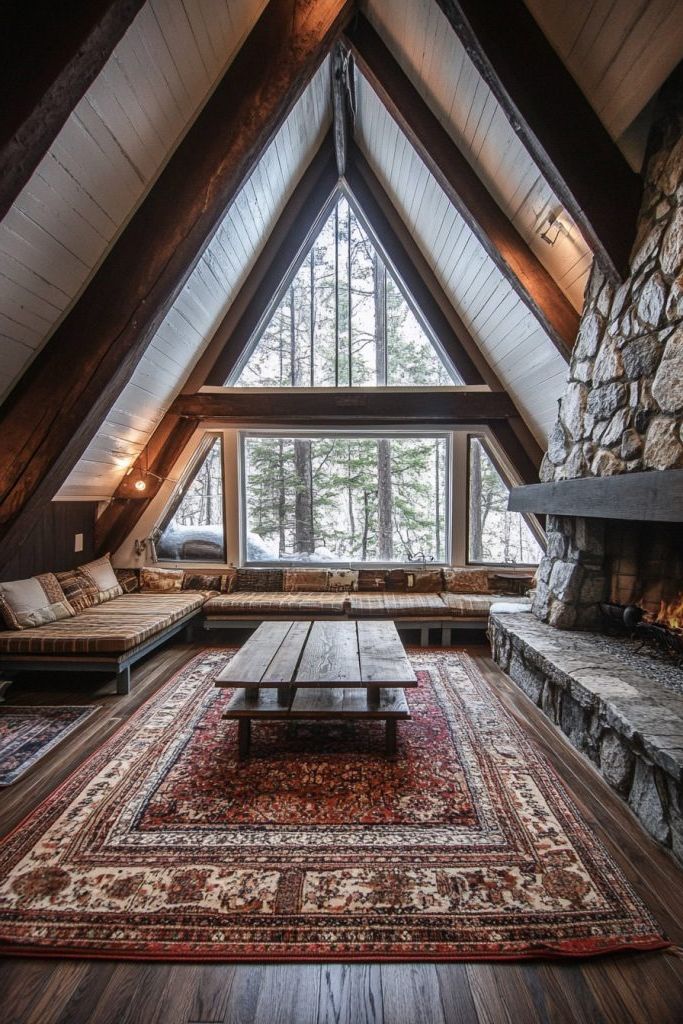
(391, 736)
(373, 695)
(251, 694)
(243, 736)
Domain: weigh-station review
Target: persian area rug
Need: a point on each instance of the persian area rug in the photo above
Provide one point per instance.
(27, 734)
(318, 847)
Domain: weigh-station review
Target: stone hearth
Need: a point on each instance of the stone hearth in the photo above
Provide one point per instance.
(620, 707)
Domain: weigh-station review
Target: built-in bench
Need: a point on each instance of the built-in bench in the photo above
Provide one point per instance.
(619, 705)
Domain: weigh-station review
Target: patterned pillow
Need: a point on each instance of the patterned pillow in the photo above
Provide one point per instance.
(425, 581)
(396, 579)
(229, 580)
(33, 602)
(79, 591)
(371, 579)
(101, 575)
(299, 581)
(259, 579)
(161, 581)
(466, 581)
(202, 581)
(129, 580)
(342, 579)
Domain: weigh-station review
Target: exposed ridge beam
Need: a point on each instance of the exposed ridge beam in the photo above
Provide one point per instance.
(555, 122)
(50, 54)
(63, 398)
(410, 266)
(340, 407)
(340, 108)
(465, 190)
(227, 344)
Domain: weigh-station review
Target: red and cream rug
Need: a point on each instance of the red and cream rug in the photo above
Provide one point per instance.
(464, 845)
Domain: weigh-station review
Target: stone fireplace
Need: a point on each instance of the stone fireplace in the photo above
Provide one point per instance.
(612, 492)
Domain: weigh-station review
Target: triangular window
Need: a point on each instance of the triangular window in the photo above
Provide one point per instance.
(495, 535)
(343, 320)
(193, 529)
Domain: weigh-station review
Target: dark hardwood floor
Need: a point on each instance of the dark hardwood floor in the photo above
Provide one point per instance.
(646, 988)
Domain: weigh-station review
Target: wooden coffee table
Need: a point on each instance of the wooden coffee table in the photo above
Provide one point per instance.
(302, 671)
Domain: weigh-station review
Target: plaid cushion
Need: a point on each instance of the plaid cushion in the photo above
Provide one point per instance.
(202, 581)
(111, 628)
(259, 579)
(342, 579)
(466, 581)
(260, 603)
(392, 605)
(129, 580)
(475, 604)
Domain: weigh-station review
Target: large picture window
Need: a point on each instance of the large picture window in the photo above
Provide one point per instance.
(345, 498)
(495, 535)
(193, 529)
(344, 321)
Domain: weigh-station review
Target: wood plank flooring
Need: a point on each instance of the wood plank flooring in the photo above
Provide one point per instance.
(645, 988)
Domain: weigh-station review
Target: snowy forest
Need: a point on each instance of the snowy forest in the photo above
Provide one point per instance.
(344, 321)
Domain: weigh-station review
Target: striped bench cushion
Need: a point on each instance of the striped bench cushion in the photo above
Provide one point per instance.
(475, 604)
(111, 628)
(265, 603)
(395, 605)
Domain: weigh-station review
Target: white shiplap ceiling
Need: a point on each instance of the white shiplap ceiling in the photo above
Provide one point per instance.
(104, 160)
(424, 44)
(513, 342)
(205, 299)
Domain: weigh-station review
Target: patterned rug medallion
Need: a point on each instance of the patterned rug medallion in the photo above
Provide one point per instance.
(464, 845)
(27, 734)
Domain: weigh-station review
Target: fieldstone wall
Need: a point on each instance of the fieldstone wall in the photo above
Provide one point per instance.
(623, 407)
(627, 723)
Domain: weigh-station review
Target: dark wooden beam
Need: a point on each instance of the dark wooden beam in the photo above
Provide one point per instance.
(555, 122)
(523, 451)
(59, 404)
(343, 407)
(402, 254)
(286, 246)
(655, 496)
(498, 236)
(287, 239)
(49, 54)
(340, 108)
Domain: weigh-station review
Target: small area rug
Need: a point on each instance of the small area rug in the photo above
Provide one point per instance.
(27, 734)
(318, 847)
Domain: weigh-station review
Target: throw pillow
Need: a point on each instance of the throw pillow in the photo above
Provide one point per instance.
(396, 579)
(161, 581)
(371, 579)
(425, 581)
(342, 579)
(259, 579)
(299, 581)
(202, 581)
(229, 580)
(33, 602)
(129, 580)
(466, 581)
(79, 591)
(101, 575)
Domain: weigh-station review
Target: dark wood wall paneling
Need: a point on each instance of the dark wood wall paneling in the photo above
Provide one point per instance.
(50, 545)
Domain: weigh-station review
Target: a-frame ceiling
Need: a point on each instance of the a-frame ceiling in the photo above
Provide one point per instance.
(118, 139)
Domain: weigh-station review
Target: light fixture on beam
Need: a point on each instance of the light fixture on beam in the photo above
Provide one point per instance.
(552, 227)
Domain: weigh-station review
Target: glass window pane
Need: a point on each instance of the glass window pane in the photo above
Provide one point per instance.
(195, 531)
(343, 321)
(495, 535)
(345, 499)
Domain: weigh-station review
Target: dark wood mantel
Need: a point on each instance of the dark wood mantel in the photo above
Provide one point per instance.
(655, 496)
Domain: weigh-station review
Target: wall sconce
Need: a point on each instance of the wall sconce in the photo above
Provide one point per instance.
(552, 227)
(141, 483)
